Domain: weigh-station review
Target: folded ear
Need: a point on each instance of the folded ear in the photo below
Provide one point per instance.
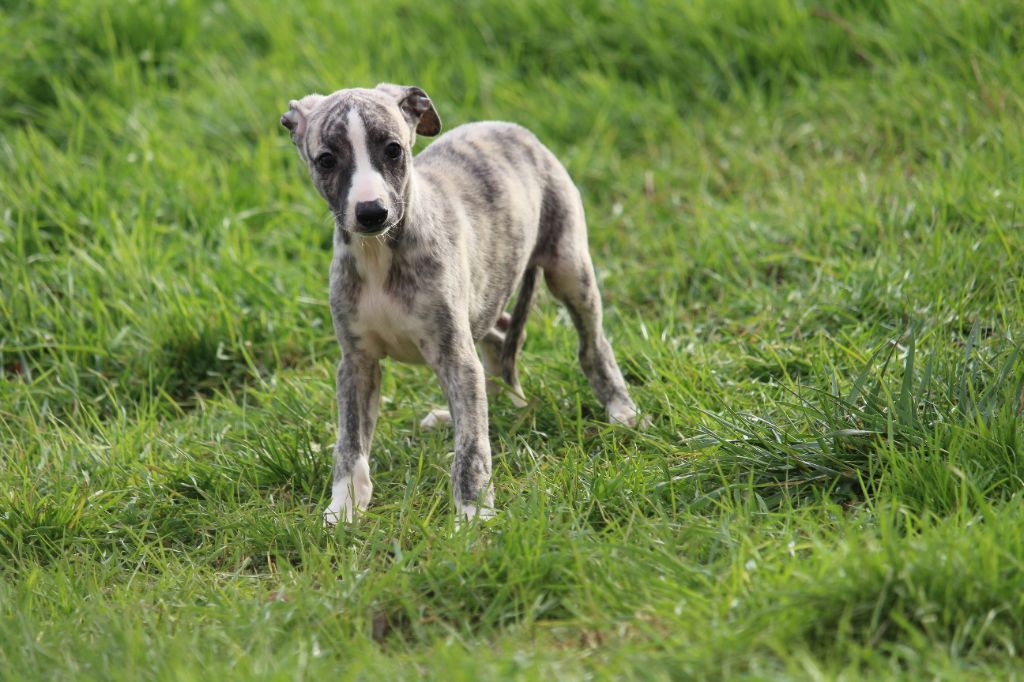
(296, 119)
(416, 106)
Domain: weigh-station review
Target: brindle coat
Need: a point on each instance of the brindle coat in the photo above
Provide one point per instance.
(427, 252)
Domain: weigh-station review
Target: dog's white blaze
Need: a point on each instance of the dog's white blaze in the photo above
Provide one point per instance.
(350, 494)
(367, 182)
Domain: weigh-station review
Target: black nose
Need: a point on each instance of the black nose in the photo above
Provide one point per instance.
(371, 214)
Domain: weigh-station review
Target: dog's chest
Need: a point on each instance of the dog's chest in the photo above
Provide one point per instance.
(382, 323)
(384, 328)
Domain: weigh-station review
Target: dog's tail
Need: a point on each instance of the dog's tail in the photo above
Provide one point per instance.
(515, 334)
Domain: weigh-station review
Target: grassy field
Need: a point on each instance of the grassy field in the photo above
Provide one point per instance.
(806, 219)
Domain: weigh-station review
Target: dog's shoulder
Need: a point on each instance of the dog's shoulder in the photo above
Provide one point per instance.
(484, 141)
(483, 129)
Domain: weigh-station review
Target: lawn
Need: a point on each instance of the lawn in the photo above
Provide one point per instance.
(805, 217)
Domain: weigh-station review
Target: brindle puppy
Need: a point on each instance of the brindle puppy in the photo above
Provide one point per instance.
(427, 252)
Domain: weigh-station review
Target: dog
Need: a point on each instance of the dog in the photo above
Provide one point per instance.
(427, 253)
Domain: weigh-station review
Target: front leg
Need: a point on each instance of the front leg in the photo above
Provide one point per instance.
(462, 379)
(358, 385)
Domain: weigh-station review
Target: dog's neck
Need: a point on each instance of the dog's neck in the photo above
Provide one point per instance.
(373, 255)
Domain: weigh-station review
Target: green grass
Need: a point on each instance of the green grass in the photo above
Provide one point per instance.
(806, 217)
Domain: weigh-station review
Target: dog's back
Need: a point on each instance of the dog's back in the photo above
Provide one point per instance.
(516, 198)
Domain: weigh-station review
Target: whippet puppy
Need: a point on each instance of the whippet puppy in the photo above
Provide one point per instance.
(427, 252)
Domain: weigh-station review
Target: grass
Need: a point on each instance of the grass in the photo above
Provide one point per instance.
(806, 220)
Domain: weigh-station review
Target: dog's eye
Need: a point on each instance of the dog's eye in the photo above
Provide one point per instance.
(393, 150)
(326, 161)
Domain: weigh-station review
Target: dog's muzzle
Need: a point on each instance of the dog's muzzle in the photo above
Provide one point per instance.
(370, 216)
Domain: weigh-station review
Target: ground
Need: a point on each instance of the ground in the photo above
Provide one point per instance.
(805, 217)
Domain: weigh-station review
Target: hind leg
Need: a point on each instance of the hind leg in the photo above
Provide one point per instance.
(435, 418)
(571, 280)
(490, 353)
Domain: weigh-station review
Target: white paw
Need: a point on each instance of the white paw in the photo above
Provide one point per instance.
(349, 495)
(471, 511)
(517, 398)
(465, 513)
(626, 414)
(435, 418)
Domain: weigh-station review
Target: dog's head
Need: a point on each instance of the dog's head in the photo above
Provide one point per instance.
(358, 146)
